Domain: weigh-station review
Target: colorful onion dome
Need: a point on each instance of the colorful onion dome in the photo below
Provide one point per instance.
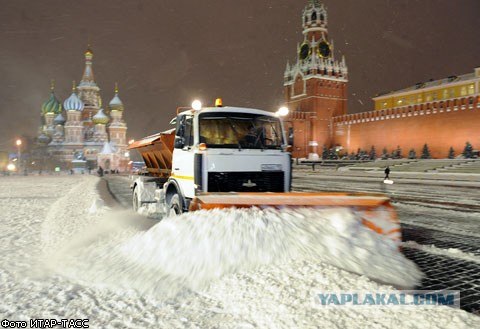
(73, 103)
(52, 105)
(59, 119)
(100, 118)
(116, 103)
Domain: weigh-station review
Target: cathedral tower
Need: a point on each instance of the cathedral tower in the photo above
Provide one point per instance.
(88, 91)
(315, 86)
(74, 107)
(117, 128)
(50, 109)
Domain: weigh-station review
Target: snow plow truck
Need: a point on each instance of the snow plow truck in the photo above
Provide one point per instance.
(219, 157)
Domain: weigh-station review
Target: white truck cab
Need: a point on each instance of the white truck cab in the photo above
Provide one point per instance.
(222, 149)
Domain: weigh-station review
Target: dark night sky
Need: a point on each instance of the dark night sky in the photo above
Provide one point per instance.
(165, 53)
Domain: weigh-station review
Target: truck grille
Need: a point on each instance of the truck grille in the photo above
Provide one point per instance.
(272, 181)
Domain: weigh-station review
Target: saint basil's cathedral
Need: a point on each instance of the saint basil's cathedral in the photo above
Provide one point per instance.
(442, 113)
(81, 134)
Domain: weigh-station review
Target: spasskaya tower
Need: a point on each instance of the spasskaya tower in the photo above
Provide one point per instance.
(315, 86)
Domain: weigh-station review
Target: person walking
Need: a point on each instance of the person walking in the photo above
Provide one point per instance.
(387, 172)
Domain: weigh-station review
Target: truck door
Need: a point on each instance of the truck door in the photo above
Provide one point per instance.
(182, 163)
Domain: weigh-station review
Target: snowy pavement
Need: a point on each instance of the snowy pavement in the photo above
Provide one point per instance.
(433, 178)
(447, 194)
(62, 259)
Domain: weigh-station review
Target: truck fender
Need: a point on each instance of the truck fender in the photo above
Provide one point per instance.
(171, 188)
(145, 190)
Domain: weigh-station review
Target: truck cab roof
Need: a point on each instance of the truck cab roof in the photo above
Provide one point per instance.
(229, 109)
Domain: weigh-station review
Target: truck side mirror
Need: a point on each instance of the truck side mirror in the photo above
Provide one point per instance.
(179, 142)
(180, 130)
(180, 122)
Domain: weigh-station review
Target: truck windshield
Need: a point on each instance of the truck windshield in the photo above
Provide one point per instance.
(240, 130)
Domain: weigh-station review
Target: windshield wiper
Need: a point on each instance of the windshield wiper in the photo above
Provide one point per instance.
(258, 135)
(236, 133)
(276, 134)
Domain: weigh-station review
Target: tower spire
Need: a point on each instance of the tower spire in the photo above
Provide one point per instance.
(52, 85)
(88, 91)
(88, 71)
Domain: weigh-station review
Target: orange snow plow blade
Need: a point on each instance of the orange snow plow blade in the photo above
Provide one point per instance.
(374, 210)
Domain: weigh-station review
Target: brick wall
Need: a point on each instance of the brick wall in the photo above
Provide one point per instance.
(411, 127)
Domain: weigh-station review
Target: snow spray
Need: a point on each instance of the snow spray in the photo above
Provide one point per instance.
(189, 251)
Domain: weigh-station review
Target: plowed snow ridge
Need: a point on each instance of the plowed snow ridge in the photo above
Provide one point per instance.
(189, 251)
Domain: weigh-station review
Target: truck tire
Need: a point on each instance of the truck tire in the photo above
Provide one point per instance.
(175, 205)
(135, 200)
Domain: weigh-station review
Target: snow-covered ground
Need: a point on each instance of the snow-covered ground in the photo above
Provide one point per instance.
(445, 220)
(421, 190)
(450, 252)
(239, 269)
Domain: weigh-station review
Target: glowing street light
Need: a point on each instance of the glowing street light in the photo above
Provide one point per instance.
(130, 142)
(11, 167)
(283, 111)
(196, 105)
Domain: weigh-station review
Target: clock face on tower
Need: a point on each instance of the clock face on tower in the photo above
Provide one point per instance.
(324, 49)
(304, 51)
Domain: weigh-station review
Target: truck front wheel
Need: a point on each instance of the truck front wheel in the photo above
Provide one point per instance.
(175, 205)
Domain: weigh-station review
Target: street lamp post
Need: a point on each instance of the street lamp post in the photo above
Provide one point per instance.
(19, 147)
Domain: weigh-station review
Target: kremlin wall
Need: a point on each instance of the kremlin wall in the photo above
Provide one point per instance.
(442, 114)
(410, 128)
